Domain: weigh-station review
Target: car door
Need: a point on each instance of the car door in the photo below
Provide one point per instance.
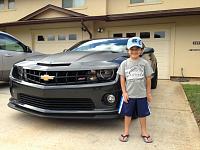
(12, 51)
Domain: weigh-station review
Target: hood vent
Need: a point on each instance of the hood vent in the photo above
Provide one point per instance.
(54, 65)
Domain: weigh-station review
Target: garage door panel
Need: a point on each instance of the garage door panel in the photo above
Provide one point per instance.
(56, 40)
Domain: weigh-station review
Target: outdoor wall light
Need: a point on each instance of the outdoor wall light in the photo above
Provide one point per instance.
(100, 30)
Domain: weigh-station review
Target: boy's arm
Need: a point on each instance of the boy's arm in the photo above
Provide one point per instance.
(148, 87)
(123, 83)
(123, 87)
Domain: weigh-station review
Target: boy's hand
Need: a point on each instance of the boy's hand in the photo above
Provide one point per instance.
(149, 97)
(125, 95)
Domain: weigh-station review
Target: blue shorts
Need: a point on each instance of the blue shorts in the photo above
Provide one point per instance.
(135, 107)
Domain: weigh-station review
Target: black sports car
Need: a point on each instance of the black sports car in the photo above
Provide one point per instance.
(80, 82)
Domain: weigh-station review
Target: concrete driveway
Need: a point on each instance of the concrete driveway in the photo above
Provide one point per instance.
(171, 125)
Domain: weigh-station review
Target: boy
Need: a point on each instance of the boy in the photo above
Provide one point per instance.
(135, 77)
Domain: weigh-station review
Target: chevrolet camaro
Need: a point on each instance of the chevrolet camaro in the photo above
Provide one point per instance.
(80, 82)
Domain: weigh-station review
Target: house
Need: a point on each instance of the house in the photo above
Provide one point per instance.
(171, 27)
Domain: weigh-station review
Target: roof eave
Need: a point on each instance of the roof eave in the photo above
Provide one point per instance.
(114, 17)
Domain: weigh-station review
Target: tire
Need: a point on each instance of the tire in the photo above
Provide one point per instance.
(154, 80)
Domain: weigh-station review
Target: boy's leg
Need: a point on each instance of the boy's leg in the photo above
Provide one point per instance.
(143, 111)
(146, 137)
(127, 112)
(143, 126)
(127, 122)
(124, 137)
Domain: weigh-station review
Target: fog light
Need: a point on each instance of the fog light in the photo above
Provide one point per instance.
(110, 99)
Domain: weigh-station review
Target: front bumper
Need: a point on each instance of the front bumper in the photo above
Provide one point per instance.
(94, 92)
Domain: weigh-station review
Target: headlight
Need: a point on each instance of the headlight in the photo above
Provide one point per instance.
(105, 74)
(18, 72)
(102, 75)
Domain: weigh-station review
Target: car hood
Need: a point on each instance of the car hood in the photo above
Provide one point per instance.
(75, 60)
(75, 56)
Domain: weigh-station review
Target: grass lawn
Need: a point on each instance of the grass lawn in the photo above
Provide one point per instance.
(193, 95)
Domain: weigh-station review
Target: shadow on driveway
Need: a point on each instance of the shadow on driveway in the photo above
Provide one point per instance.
(77, 124)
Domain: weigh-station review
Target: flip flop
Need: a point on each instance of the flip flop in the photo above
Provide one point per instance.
(147, 139)
(124, 138)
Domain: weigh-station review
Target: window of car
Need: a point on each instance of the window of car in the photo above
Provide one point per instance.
(11, 4)
(1, 4)
(143, 1)
(73, 3)
(10, 44)
(114, 45)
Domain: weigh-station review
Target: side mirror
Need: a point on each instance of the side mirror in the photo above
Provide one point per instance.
(28, 49)
(148, 50)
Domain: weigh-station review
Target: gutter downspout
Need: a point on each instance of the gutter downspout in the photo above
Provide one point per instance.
(86, 28)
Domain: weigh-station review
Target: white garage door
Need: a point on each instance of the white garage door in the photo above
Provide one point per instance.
(156, 37)
(51, 41)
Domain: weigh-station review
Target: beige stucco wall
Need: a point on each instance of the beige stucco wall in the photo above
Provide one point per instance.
(93, 7)
(50, 14)
(25, 7)
(187, 31)
(123, 6)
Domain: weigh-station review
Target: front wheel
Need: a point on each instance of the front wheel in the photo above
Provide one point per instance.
(154, 80)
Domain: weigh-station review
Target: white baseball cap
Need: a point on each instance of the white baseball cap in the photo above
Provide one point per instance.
(134, 41)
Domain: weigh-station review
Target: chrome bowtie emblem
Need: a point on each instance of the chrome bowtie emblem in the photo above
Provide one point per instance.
(46, 77)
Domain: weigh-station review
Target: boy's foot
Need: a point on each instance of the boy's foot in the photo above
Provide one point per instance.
(147, 139)
(124, 138)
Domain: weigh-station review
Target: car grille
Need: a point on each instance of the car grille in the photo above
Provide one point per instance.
(59, 77)
(57, 103)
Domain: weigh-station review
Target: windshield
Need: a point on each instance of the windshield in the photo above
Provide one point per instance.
(114, 45)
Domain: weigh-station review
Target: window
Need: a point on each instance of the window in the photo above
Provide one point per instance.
(1, 4)
(158, 35)
(129, 35)
(145, 35)
(7, 43)
(73, 3)
(61, 37)
(143, 1)
(11, 4)
(72, 37)
(117, 35)
(51, 38)
(40, 38)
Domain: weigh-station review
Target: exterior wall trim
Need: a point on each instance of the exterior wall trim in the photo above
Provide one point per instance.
(115, 17)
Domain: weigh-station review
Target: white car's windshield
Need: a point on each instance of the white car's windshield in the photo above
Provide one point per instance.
(114, 45)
